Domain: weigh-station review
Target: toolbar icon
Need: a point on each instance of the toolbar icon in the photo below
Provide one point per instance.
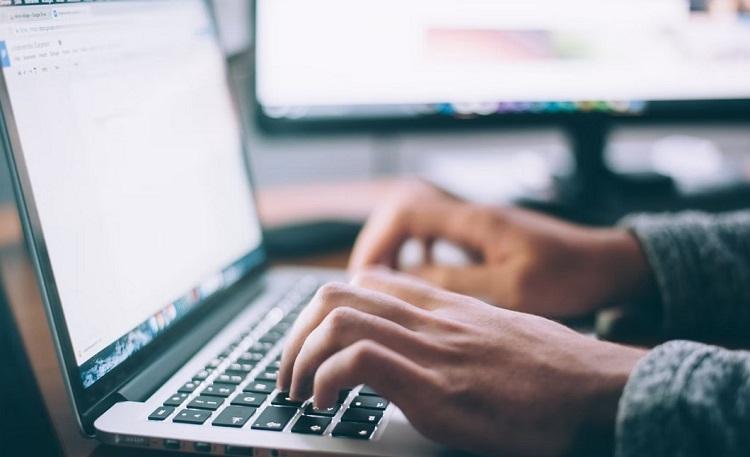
(4, 56)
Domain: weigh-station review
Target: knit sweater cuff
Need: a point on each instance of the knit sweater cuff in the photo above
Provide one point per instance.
(686, 399)
(701, 264)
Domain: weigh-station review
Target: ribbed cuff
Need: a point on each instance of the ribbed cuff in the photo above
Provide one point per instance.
(699, 272)
(649, 420)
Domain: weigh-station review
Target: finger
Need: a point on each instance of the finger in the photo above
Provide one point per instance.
(342, 328)
(332, 296)
(383, 235)
(476, 281)
(380, 240)
(408, 288)
(366, 362)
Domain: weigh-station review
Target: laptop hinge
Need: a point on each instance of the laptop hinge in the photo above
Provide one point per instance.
(153, 376)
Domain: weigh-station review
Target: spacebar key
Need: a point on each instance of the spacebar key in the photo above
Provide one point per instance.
(274, 418)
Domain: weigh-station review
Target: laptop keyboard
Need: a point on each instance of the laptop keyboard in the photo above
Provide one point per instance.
(238, 387)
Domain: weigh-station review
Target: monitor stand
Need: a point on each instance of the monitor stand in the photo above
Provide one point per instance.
(595, 194)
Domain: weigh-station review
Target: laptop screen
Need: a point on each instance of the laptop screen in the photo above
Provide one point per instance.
(123, 118)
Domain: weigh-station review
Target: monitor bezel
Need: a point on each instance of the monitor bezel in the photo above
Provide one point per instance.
(91, 401)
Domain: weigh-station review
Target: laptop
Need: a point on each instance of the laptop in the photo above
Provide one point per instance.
(126, 151)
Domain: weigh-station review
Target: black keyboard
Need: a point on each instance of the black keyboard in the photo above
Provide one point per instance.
(237, 388)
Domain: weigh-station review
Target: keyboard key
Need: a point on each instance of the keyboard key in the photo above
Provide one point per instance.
(282, 399)
(234, 416)
(238, 450)
(173, 445)
(268, 376)
(240, 368)
(330, 412)
(290, 318)
(281, 327)
(368, 391)
(203, 402)
(219, 390)
(250, 357)
(354, 430)
(275, 364)
(310, 425)
(343, 395)
(189, 387)
(201, 375)
(365, 416)
(271, 337)
(261, 347)
(364, 401)
(274, 418)
(192, 416)
(249, 399)
(261, 387)
(161, 413)
(176, 399)
(229, 379)
(214, 363)
(202, 447)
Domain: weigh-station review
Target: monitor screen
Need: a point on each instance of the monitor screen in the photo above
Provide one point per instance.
(394, 58)
(123, 119)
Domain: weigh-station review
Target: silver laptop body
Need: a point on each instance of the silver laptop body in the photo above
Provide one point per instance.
(127, 158)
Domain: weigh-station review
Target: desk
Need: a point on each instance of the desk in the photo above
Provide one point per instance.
(276, 206)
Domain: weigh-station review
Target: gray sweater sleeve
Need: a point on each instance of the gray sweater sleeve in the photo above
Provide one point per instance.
(701, 264)
(688, 399)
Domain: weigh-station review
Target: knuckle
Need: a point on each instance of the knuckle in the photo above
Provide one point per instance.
(340, 319)
(455, 391)
(330, 293)
(400, 210)
(371, 276)
(362, 354)
(489, 220)
(481, 215)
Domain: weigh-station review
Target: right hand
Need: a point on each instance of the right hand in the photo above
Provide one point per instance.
(466, 374)
(525, 260)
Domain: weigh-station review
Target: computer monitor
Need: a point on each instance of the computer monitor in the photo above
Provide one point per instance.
(583, 65)
(527, 60)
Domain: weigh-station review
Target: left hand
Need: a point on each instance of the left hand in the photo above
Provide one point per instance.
(465, 373)
(523, 259)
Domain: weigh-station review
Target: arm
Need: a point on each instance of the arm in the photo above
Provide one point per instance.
(686, 399)
(701, 265)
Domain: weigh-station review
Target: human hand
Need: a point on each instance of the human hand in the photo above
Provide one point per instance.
(525, 260)
(466, 374)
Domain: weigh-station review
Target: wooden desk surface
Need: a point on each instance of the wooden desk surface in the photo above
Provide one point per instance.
(277, 206)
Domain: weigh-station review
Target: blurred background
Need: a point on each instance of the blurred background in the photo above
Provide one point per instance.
(334, 90)
(501, 101)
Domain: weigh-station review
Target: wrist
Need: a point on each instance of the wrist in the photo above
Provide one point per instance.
(623, 266)
(601, 391)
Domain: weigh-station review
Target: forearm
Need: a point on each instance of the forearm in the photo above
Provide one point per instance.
(701, 266)
(686, 399)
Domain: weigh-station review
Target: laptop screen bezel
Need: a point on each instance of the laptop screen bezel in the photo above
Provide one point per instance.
(90, 399)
